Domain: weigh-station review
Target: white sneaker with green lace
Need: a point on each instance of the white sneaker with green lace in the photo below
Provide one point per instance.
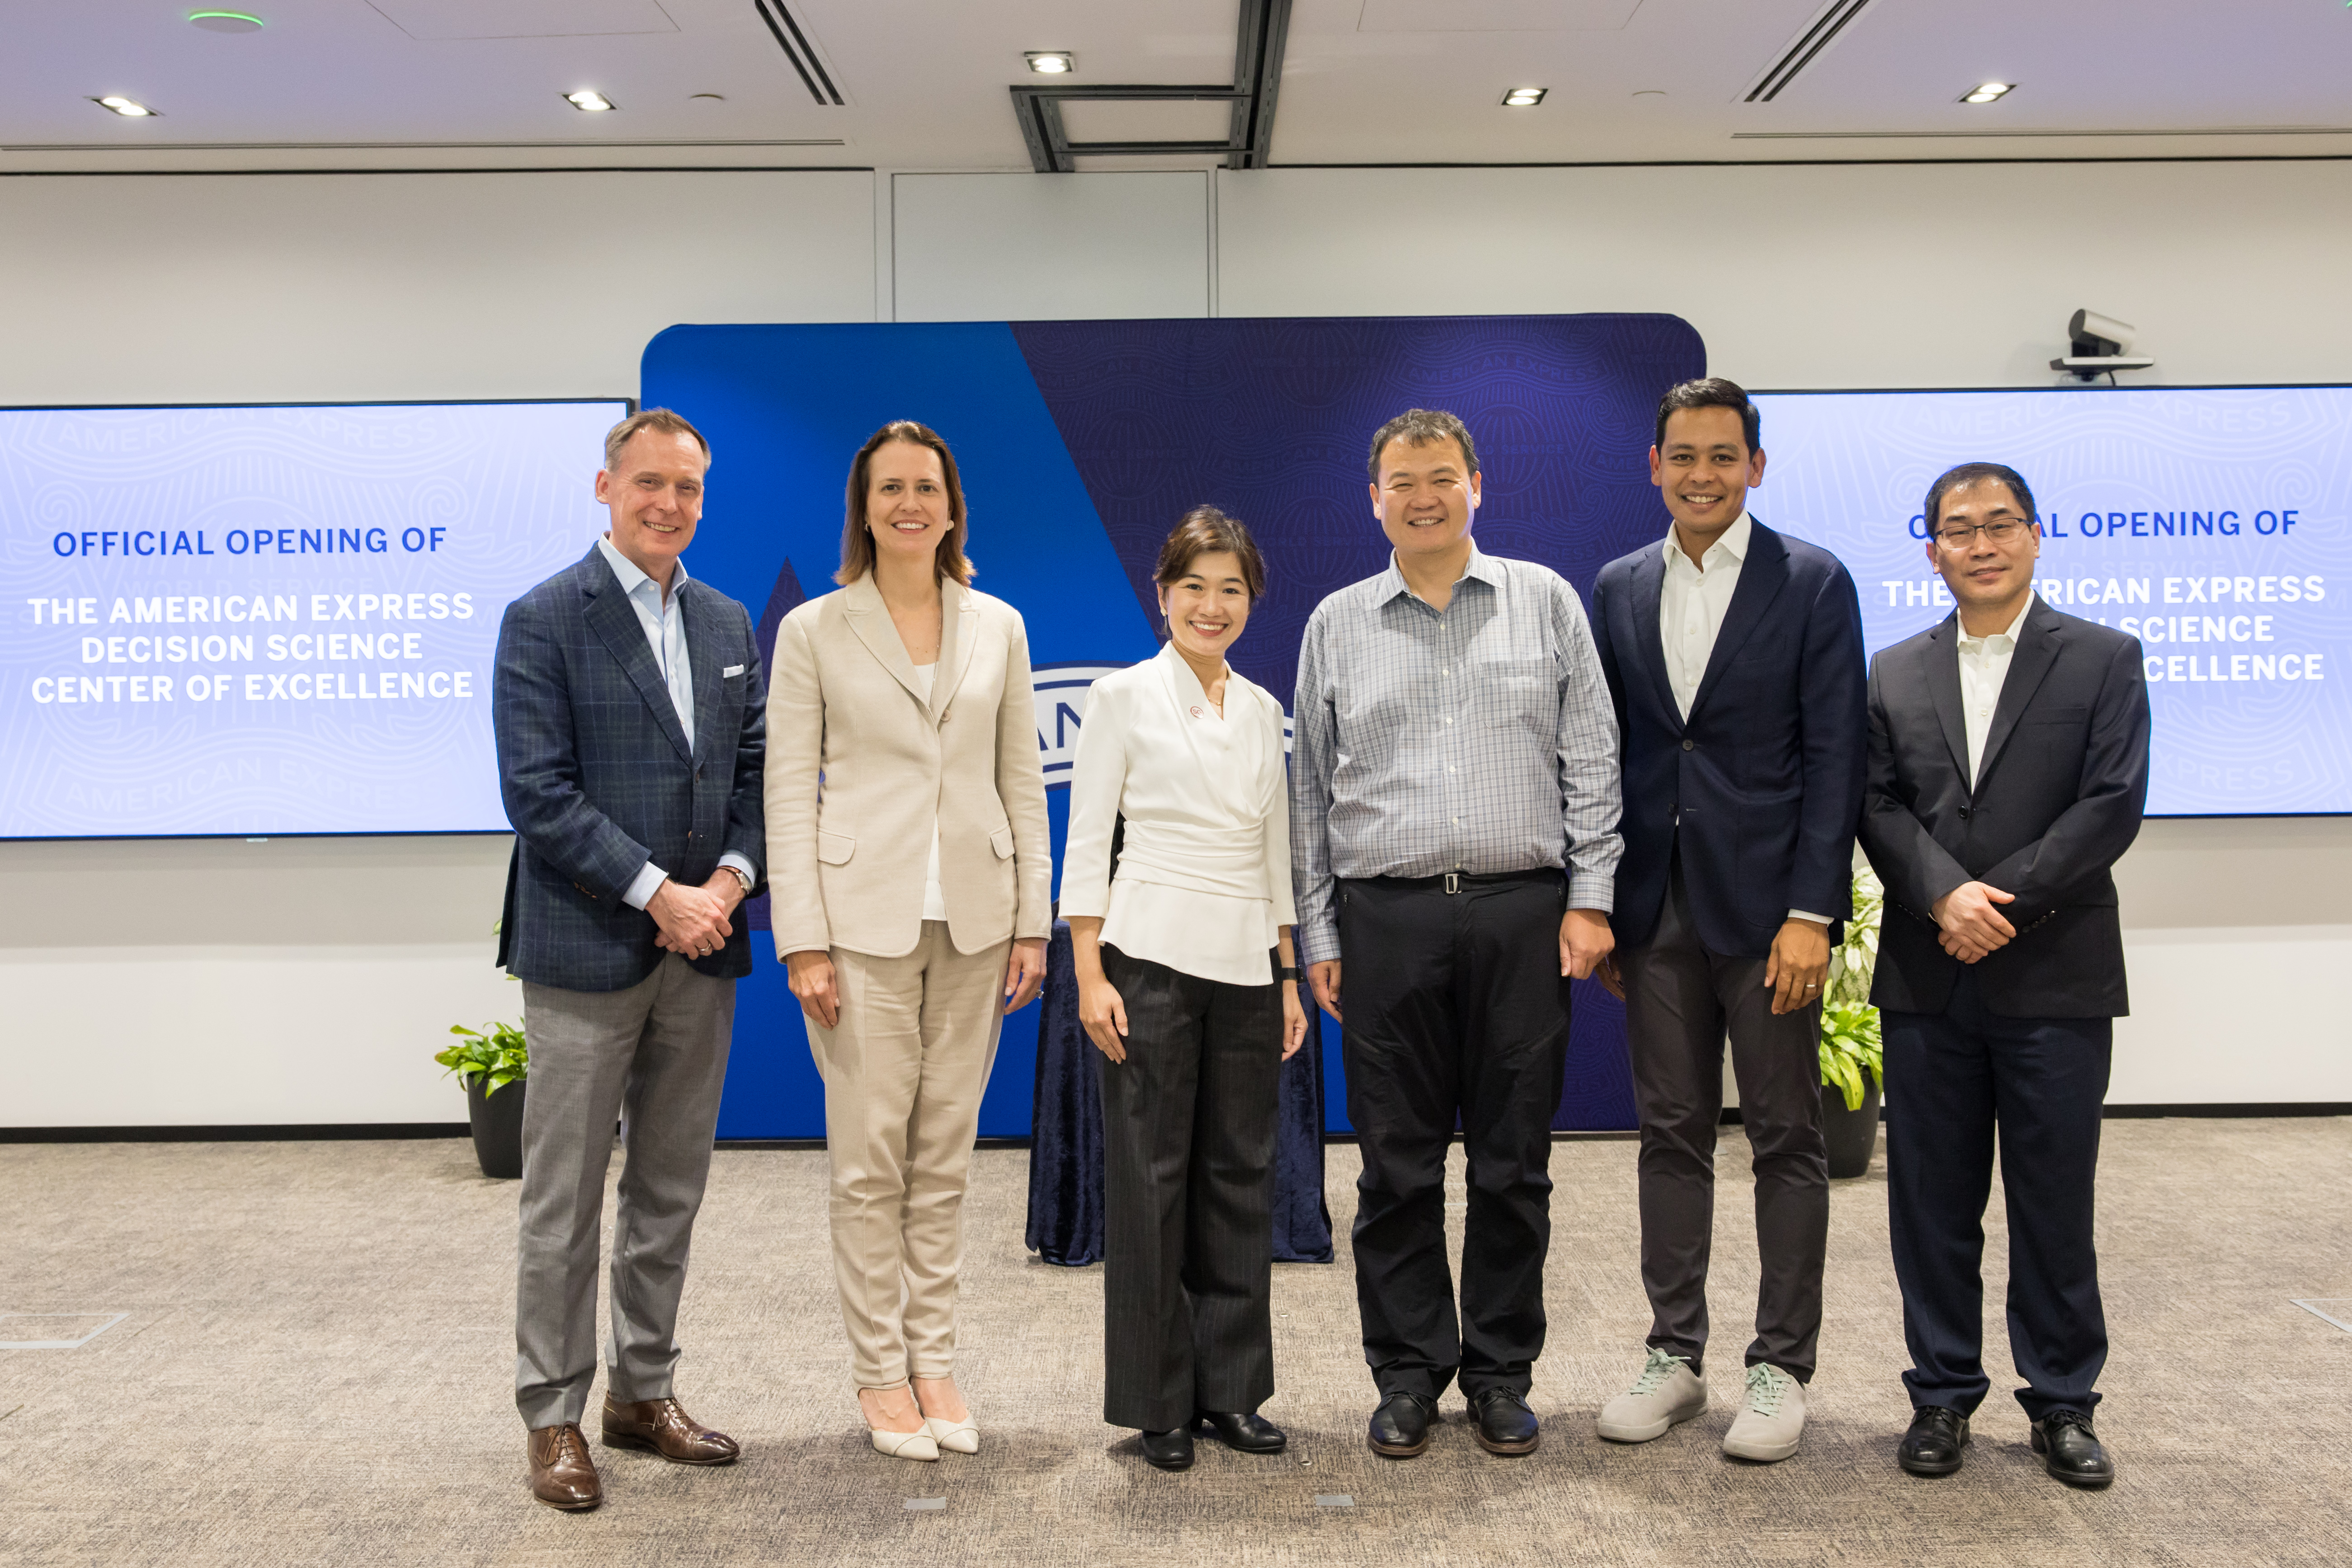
(1666, 1392)
(1771, 1417)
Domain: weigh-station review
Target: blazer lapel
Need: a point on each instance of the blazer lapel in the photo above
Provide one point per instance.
(1944, 687)
(614, 621)
(1761, 577)
(959, 632)
(2038, 641)
(869, 617)
(702, 658)
(1649, 585)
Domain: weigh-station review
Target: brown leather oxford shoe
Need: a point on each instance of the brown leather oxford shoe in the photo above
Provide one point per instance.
(561, 1473)
(663, 1426)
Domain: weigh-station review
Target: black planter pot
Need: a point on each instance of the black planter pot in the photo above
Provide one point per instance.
(1853, 1134)
(496, 1122)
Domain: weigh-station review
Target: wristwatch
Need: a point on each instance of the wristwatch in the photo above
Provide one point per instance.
(743, 877)
(1286, 972)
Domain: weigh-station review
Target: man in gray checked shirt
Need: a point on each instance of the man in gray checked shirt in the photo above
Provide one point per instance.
(1454, 822)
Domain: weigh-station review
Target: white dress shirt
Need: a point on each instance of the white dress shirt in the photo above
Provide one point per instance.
(1984, 669)
(935, 902)
(1691, 603)
(664, 627)
(1204, 876)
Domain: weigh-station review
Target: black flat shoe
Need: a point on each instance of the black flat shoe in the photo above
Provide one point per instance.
(1932, 1447)
(2071, 1451)
(1246, 1432)
(1400, 1427)
(1169, 1450)
(1505, 1425)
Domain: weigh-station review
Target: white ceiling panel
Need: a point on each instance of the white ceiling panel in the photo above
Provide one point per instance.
(523, 18)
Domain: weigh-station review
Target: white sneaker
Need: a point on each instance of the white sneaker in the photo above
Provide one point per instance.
(1666, 1392)
(1771, 1418)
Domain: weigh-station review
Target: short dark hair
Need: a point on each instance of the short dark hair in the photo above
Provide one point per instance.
(1205, 531)
(1422, 427)
(1711, 392)
(1968, 474)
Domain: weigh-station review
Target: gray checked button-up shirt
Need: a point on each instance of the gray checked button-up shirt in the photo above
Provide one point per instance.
(1478, 740)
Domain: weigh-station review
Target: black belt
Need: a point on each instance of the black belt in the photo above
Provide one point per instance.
(1455, 881)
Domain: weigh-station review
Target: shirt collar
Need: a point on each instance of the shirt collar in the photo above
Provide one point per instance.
(1480, 565)
(1986, 641)
(1733, 543)
(632, 579)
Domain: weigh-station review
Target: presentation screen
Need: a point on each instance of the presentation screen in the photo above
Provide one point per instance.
(272, 620)
(2210, 522)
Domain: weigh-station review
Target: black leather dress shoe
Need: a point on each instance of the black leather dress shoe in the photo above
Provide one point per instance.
(1400, 1425)
(2071, 1451)
(1246, 1432)
(1932, 1447)
(1505, 1425)
(1169, 1450)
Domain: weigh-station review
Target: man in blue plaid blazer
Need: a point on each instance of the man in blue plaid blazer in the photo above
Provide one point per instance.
(630, 722)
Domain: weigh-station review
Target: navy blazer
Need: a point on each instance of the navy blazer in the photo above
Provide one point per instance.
(598, 779)
(1765, 773)
(2056, 802)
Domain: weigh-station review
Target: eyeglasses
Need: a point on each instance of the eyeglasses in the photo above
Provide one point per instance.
(1960, 535)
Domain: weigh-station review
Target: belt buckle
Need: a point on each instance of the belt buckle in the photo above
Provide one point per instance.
(1453, 882)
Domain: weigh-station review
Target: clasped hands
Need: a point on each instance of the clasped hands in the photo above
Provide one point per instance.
(1972, 925)
(818, 989)
(692, 921)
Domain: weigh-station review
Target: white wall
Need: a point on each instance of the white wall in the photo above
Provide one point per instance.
(209, 982)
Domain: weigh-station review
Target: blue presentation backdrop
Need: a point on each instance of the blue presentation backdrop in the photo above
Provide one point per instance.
(2210, 522)
(240, 620)
(1081, 442)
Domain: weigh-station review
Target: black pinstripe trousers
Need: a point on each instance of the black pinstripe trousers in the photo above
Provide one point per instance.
(1188, 1181)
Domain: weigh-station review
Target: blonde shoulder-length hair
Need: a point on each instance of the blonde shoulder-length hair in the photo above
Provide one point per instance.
(857, 544)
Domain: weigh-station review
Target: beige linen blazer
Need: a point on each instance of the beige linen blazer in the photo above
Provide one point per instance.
(860, 766)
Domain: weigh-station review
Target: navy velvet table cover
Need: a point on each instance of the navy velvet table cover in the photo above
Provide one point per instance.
(1066, 1156)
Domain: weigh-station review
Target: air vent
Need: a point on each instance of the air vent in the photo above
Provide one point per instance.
(1816, 36)
(795, 45)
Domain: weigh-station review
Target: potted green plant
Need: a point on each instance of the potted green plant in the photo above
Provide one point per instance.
(489, 1060)
(1851, 1070)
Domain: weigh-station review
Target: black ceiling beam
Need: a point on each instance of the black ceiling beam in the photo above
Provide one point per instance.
(1261, 32)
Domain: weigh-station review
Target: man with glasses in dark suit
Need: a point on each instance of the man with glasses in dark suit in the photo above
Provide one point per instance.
(631, 732)
(2007, 771)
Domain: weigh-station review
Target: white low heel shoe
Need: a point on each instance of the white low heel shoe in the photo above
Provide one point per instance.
(905, 1445)
(962, 1437)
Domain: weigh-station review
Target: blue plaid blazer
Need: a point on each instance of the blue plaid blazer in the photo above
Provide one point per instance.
(598, 779)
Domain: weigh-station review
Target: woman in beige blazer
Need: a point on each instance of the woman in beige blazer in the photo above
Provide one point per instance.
(910, 872)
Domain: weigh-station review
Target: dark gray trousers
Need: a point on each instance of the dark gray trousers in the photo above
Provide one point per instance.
(1680, 1000)
(1188, 1188)
(653, 1057)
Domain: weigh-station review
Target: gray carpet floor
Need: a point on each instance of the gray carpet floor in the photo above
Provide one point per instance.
(316, 1357)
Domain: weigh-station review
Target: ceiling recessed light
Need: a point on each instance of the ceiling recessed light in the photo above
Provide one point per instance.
(130, 109)
(1524, 97)
(589, 100)
(1051, 62)
(1986, 92)
(226, 21)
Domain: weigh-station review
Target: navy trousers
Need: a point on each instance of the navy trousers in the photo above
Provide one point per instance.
(1952, 1079)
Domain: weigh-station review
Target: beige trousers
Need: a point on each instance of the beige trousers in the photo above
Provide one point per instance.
(903, 1073)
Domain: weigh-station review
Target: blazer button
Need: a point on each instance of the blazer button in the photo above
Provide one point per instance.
(1690, 745)
(1964, 814)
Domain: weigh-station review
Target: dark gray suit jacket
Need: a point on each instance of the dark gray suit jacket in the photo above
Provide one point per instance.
(2057, 801)
(598, 779)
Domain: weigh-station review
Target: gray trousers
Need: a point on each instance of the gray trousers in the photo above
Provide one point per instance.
(1188, 1189)
(653, 1057)
(1680, 999)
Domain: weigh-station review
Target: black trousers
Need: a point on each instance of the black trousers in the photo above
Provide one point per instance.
(1456, 1012)
(1680, 1000)
(1952, 1079)
(1188, 1187)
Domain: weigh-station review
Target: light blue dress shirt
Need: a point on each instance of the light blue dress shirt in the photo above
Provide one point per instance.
(665, 628)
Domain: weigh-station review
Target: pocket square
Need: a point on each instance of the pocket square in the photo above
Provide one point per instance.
(730, 672)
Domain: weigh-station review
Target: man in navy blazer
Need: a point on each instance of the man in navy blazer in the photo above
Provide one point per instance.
(630, 725)
(2008, 760)
(1734, 654)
